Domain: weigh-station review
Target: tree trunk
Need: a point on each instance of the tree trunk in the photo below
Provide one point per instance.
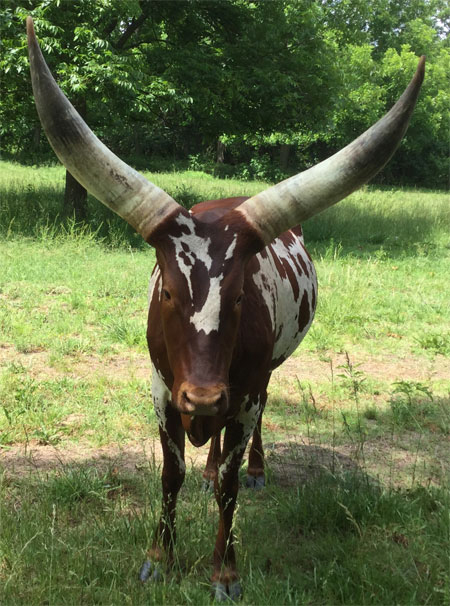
(137, 136)
(75, 195)
(220, 152)
(285, 151)
(75, 198)
(36, 136)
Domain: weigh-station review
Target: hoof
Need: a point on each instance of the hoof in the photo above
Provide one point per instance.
(227, 592)
(150, 571)
(255, 482)
(208, 485)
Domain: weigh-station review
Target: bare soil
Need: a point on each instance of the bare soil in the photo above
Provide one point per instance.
(290, 461)
(306, 366)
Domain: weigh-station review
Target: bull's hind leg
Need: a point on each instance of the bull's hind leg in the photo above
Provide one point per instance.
(210, 473)
(255, 470)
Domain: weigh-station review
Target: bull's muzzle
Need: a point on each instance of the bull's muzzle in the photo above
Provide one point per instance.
(205, 401)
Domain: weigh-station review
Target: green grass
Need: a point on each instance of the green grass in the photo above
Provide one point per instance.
(355, 432)
(31, 202)
(79, 536)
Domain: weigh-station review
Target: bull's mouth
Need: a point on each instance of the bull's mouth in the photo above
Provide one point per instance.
(195, 410)
(200, 429)
(203, 409)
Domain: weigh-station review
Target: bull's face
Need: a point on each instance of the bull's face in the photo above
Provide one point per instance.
(200, 292)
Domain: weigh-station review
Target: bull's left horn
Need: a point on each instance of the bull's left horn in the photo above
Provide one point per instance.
(101, 172)
(294, 200)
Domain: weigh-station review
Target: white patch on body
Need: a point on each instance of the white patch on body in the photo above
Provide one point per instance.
(278, 294)
(161, 398)
(189, 248)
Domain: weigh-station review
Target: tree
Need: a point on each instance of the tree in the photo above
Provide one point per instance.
(271, 87)
(84, 45)
(374, 73)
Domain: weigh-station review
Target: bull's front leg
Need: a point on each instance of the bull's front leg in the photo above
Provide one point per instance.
(172, 440)
(225, 579)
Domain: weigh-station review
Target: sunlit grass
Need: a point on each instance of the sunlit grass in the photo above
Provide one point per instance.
(357, 462)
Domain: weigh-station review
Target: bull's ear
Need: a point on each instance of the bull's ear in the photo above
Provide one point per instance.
(101, 172)
(294, 200)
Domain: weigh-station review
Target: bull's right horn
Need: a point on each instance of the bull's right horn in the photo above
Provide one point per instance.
(294, 200)
(101, 172)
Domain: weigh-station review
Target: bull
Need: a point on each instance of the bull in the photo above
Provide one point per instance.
(233, 293)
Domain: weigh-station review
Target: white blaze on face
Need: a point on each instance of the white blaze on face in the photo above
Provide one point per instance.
(189, 248)
(154, 279)
(207, 319)
(230, 249)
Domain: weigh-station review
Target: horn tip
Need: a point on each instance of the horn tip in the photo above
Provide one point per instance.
(30, 26)
(420, 72)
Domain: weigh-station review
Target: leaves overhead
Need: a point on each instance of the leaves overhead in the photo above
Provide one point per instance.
(171, 79)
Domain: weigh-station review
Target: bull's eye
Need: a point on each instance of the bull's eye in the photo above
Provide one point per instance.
(166, 294)
(239, 299)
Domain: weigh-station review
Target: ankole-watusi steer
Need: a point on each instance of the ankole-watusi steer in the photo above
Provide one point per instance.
(233, 294)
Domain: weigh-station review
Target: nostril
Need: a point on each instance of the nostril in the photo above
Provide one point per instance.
(203, 400)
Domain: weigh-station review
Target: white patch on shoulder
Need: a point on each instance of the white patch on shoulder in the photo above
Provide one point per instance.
(161, 398)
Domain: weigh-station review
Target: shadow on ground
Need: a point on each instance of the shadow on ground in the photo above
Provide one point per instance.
(288, 463)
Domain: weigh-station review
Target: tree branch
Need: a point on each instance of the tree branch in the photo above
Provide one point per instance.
(134, 25)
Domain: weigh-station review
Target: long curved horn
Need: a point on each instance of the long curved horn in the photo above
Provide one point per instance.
(101, 172)
(298, 198)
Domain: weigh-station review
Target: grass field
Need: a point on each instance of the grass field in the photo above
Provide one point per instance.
(356, 430)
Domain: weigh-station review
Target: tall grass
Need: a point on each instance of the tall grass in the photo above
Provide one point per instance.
(79, 536)
(31, 202)
(356, 507)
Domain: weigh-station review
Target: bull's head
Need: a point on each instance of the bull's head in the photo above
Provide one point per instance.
(198, 298)
(202, 260)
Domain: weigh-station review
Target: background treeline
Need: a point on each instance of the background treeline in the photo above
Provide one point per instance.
(257, 89)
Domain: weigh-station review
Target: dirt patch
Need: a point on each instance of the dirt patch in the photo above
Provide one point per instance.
(22, 459)
(291, 461)
(306, 366)
(114, 367)
(309, 367)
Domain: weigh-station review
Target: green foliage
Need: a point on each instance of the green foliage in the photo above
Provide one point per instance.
(412, 404)
(280, 84)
